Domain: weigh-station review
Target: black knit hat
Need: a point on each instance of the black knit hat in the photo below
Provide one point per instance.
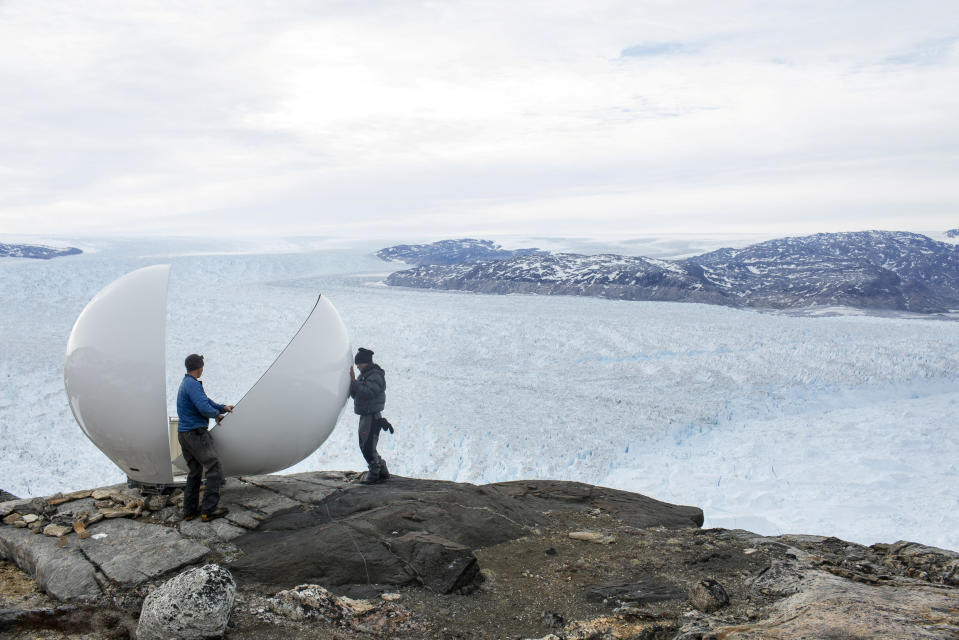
(193, 362)
(364, 355)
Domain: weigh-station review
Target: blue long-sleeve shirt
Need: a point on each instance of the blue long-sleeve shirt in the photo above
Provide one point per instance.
(193, 408)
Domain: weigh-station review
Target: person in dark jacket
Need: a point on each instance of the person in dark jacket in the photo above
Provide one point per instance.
(194, 410)
(369, 397)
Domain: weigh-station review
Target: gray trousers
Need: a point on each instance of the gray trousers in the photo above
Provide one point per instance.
(369, 434)
(200, 456)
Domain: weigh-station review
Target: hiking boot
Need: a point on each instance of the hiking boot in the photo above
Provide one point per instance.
(384, 472)
(219, 512)
(371, 478)
(189, 517)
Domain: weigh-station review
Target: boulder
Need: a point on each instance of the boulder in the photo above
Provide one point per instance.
(195, 604)
(708, 595)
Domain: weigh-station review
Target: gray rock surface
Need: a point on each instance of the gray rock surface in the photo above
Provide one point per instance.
(195, 604)
(641, 590)
(220, 529)
(133, 552)
(824, 605)
(64, 573)
(438, 564)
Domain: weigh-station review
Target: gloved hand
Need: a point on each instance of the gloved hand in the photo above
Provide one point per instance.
(385, 425)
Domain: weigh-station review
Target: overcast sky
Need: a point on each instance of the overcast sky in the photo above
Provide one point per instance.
(405, 119)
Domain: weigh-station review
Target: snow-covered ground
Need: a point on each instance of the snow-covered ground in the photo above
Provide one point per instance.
(840, 425)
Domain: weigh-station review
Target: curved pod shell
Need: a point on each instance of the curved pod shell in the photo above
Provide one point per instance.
(115, 375)
(115, 379)
(293, 407)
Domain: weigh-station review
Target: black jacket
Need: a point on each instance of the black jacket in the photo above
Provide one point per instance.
(369, 391)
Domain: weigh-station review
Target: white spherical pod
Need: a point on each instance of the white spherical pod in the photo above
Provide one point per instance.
(115, 378)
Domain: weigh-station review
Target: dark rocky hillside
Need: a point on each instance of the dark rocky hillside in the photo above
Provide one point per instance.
(35, 251)
(877, 269)
(871, 269)
(461, 251)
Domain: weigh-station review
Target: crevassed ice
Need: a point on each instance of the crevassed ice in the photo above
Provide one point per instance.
(838, 426)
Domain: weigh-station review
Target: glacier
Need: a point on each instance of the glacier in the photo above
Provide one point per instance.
(839, 425)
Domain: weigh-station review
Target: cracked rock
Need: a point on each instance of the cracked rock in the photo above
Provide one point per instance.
(133, 552)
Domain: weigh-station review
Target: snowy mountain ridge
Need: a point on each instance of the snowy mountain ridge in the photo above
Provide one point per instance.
(869, 269)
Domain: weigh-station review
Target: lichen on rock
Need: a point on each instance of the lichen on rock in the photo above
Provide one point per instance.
(195, 604)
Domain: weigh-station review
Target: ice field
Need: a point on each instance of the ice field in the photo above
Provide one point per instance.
(841, 426)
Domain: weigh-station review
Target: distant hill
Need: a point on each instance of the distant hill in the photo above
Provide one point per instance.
(952, 233)
(36, 251)
(466, 250)
(871, 269)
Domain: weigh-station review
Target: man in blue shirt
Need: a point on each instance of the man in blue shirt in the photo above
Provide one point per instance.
(194, 410)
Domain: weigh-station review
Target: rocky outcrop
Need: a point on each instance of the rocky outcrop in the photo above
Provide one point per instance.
(914, 560)
(798, 593)
(423, 558)
(195, 604)
(282, 531)
(414, 531)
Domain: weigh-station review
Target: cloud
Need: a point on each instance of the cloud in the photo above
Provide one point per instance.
(938, 51)
(311, 118)
(651, 49)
